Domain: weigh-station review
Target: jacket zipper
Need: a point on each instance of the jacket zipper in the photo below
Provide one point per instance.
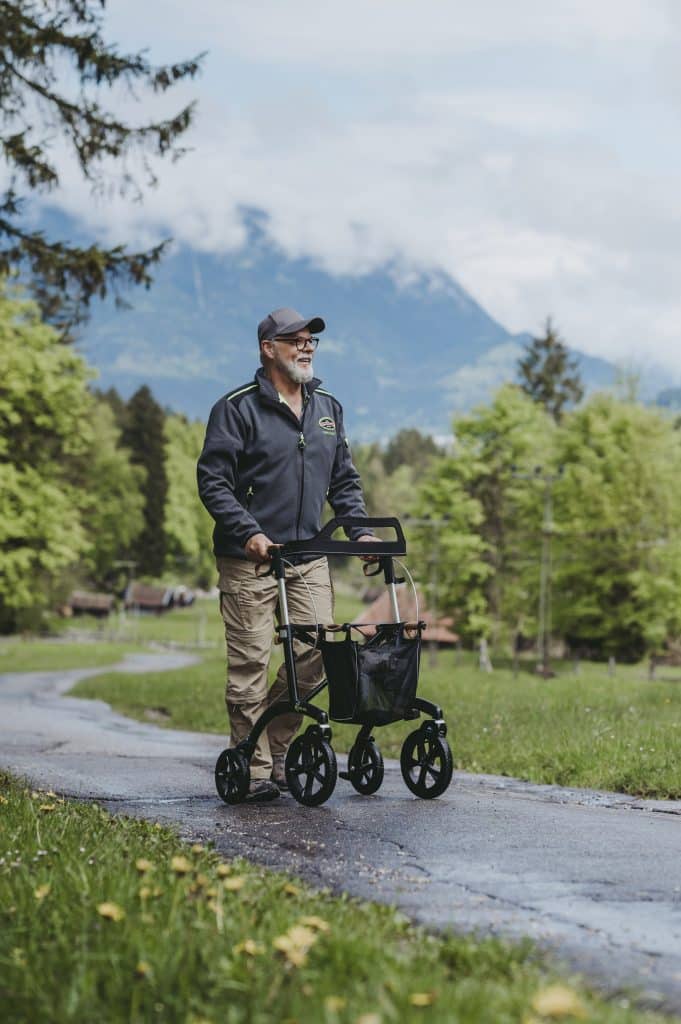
(301, 449)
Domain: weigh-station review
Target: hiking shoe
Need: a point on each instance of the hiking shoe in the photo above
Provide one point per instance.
(278, 775)
(261, 790)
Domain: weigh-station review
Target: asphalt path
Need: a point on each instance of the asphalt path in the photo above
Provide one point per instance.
(593, 877)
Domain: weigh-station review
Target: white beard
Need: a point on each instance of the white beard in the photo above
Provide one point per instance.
(294, 371)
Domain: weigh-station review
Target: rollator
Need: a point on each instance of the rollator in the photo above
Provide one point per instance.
(371, 681)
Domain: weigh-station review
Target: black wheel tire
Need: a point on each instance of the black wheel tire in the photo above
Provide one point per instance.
(365, 766)
(311, 769)
(426, 763)
(232, 776)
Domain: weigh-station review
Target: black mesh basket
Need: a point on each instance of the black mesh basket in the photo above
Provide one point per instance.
(372, 683)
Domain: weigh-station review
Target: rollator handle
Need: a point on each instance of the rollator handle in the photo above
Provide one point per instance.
(322, 544)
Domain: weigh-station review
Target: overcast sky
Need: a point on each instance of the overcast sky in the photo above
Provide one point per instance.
(532, 150)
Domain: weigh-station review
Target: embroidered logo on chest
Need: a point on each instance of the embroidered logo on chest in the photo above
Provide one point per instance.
(327, 425)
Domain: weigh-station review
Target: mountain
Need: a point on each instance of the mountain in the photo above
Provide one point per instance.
(397, 352)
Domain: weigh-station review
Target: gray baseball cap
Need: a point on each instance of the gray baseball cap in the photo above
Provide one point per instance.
(287, 321)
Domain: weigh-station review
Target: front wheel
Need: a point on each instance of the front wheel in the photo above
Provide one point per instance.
(232, 776)
(426, 763)
(311, 769)
(365, 766)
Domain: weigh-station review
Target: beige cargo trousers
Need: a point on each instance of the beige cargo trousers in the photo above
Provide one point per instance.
(248, 605)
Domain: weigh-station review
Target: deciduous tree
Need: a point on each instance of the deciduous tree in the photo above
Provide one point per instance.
(188, 527)
(618, 567)
(45, 431)
(489, 537)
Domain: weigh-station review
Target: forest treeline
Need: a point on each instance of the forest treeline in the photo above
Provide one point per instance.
(90, 483)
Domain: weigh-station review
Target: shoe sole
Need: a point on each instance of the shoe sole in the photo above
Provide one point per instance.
(261, 798)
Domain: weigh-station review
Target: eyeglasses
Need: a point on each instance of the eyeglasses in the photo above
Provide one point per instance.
(300, 343)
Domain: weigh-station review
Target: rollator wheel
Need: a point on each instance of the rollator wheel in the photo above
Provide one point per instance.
(426, 763)
(311, 768)
(232, 776)
(365, 766)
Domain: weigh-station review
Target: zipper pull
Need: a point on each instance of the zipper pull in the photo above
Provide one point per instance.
(301, 441)
(249, 494)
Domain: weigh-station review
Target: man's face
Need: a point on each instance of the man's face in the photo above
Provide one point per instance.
(293, 355)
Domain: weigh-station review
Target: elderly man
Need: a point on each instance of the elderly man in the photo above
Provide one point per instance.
(275, 451)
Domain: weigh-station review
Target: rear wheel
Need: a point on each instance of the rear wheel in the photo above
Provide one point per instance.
(232, 776)
(311, 769)
(426, 763)
(365, 766)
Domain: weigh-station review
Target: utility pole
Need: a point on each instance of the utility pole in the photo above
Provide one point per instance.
(546, 565)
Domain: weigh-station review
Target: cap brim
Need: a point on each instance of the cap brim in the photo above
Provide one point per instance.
(316, 325)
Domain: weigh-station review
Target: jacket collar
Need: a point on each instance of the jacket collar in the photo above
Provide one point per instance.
(269, 392)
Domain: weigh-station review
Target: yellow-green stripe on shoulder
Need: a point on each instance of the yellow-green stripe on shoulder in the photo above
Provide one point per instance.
(323, 391)
(241, 391)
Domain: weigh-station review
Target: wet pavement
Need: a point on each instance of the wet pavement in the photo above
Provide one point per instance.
(593, 877)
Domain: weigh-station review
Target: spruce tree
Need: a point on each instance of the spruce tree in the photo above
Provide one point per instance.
(548, 374)
(55, 68)
(144, 436)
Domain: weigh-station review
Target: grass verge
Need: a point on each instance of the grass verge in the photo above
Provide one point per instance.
(112, 919)
(32, 655)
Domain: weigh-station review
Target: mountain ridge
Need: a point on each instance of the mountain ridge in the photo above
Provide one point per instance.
(400, 349)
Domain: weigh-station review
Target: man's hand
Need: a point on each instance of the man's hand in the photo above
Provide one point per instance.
(367, 538)
(257, 548)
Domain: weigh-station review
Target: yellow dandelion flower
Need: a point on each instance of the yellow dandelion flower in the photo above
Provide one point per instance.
(197, 848)
(3, 799)
(558, 1001)
(42, 891)
(332, 1004)
(249, 947)
(143, 865)
(291, 890)
(46, 808)
(300, 935)
(145, 892)
(180, 865)
(111, 911)
(234, 884)
(202, 881)
(369, 1018)
(295, 944)
(317, 923)
(422, 998)
(223, 870)
(143, 969)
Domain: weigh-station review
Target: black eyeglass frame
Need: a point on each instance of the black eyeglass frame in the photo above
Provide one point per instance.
(300, 343)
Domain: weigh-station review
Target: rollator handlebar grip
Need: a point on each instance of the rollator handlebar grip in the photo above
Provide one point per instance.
(322, 543)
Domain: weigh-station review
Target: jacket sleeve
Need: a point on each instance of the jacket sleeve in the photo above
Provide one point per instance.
(217, 472)
(345, 490)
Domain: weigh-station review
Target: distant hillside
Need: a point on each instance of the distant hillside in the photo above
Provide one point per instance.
(397, 354)
(670, 398)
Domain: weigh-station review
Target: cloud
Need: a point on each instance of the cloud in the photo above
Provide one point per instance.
(529, 151)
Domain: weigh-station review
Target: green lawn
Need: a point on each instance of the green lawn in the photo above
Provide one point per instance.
(32, 655)
(114, 920)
